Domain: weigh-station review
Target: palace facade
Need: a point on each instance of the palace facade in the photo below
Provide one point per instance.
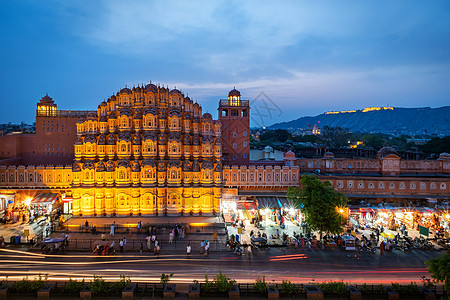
(151, 151)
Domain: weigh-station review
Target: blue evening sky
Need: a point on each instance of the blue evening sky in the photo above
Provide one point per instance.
(306, 56)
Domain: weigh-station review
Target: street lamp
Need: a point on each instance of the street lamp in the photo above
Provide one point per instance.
(28, 201)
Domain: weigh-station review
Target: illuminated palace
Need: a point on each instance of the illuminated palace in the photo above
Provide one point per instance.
(151, 151)
(147, 150)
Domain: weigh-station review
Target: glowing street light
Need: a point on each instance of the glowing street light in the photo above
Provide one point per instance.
(28, 201)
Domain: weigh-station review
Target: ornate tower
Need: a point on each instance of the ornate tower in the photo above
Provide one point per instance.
(147, 151)
(234, 115)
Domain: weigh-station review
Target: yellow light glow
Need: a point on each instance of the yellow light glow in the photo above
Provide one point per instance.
(341, 211)
(198, 224)
(447, 216)
(377, 108)
(28, 201)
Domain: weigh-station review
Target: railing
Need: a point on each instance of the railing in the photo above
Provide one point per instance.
(64, 113)
(241, 103)
(135, 244)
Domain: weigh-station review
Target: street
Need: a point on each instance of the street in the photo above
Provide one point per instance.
(276, 263)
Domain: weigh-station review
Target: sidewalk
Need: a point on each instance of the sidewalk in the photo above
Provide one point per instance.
(18, 228)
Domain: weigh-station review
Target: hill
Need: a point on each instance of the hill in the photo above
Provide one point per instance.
(380, 120)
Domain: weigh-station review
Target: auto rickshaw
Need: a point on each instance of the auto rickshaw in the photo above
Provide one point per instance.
(259, 242)
(53, 246)
(103, 248)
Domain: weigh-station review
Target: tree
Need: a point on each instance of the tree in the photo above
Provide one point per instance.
(440, 269)
(335, 137)
(320, 204)
(437, 145)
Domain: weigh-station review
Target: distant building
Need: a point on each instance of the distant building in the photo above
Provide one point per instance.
(51, 144)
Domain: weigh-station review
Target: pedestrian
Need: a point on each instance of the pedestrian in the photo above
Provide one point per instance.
(149, 244)
(188, 251)
(157, 247)
(171, 237)
(113, 228)
(121, 246)
(382, 248)
(206, 248)
(86, 225)
(67, 239)
(141, 249)
(124, 243)
(103, 236)
(202, 247)
(249, 250)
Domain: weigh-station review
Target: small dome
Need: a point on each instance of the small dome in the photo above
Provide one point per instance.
(186, 166)
(268, 149)
(161, 166)
(207, 116)
(195, 140)
(78, 141)
(444, 156)
(136, 140)
(47, 99)
(149, 163)
(125, 91)
(328, 154)
(234, 92)
(102, 140)
(385, 151)
(289, 154)
(111, 140)
(207, 165)
(76, 167)
(135, 166)
(125, 112)
(92, 115)
(218, 168)
(101, 166)
(195, 166)
(150, 88)
(175, 92)
(110, 166)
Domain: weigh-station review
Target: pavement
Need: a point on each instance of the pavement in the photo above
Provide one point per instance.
(35, 229)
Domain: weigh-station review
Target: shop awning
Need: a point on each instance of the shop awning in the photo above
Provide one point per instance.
(425, 210)
(67, 199)
(246, 205)
(366, 210)
(268, 202)
(286, 203)
(381, 210)
(44, 199)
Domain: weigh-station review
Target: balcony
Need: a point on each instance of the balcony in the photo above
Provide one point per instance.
(235, 103)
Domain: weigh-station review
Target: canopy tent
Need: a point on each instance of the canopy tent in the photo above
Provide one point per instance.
(44, 199)
(286, 203)
(247, 205)
(267, 202)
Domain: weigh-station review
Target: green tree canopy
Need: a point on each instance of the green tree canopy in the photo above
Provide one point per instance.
(437, 145)
(440, 269)
(320, 204)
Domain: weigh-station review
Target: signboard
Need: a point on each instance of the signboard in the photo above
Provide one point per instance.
(424, 230)
(240, 230)
(26, 232)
